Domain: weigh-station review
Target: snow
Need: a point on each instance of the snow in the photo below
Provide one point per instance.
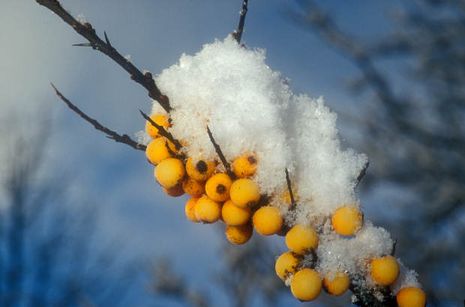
(250, 108)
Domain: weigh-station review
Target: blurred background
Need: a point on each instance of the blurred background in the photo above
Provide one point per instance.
(82, 221)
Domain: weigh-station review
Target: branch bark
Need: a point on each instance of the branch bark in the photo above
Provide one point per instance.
(111, 134)
(88, 32)
(237, 34)
(218, 150)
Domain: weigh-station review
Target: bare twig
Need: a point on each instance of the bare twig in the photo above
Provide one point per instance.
(111, 134)
(220, 154)
(237, 34)
(88, 32)
(362, 173)
(162, 131)
(289, 187)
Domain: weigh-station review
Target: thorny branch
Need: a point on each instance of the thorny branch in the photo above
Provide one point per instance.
(162, 131)
(88, 32)
(237, 34)
(111, 134)
(220, 154)
(362, 173)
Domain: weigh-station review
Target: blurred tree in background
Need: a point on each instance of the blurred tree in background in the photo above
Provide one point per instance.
(49, 252)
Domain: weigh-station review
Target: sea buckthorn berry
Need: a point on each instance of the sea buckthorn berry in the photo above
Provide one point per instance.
(336, 283)
(159, 119)
(267, 220)
(200, 170)
(384, 270)
(175, 191)
(301, 239)
(286, 265)
(347, 220)
(411, 297)
(234, 215)
(207, 210)
(245, 165)
(157, 150)
(244, 193)
(239, 234)
(217, 187)
(193, 187)
(169, 172)
(306, 285)
(189, 209)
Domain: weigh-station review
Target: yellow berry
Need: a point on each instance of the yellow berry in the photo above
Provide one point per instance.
(267, 220)
(300, 239)
(157, 150)
(169, 172)
(234, 215)
(159, 119)
(286, 264)
(193, 187)
(207, 210)
(175, 191)
(347, 220)
(384, 270)
(200, 170)
(245, 165)
(336, 283)
(189, 209)
(244, 193)
(217, 187)
(411, 297)
(238, 234)
(306, 284)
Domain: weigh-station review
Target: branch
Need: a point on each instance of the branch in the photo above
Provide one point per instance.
(162, 131)
(291, 194)
(362, 173)
(88, 32)
(237, 34)
(110, 133)
(220, 154)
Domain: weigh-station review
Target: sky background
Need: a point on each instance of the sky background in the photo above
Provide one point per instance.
(36, 49)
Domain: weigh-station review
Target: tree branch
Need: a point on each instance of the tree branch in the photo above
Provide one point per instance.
(88, 32)
(162, 131)
(291, 194)
(125, 139)
(362, 173)
(220, 154)
(237, 34)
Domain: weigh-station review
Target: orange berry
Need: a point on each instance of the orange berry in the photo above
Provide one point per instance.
(175, 191)
(301, 239)
(306, 285)
(217, 187)
(239, 234)
(411, 297)
(244, 193)
(267, 220)
(193, 187)
(200, 170)
(189, 209)
(157, 150)
(347, 220)
(384, 270)
(286, 264)
(234, 215)
(207, 210)
(336, 283)
(169, 172)
(245, 165)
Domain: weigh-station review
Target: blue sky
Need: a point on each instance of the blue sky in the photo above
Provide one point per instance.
(36, 49)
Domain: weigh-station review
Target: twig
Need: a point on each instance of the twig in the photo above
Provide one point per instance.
(88, 32)
(220, 154)
(111, 134)
(162, 131)
(291, 194)
(362, 173)
(237, 34)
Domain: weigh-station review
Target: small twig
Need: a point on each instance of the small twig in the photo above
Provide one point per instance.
(362, 173)
(237, 34)
(220, 154)
(162, 131)
(291, 194)
(111, 134)
(88, 32)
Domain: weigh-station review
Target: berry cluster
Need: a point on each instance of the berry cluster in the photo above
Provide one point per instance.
(235, 198)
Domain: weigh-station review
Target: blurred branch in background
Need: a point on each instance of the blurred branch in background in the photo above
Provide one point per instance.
(413, 130)
(49, 252)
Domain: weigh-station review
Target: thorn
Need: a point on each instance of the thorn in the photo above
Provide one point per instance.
(83, 45)
(107, 39)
